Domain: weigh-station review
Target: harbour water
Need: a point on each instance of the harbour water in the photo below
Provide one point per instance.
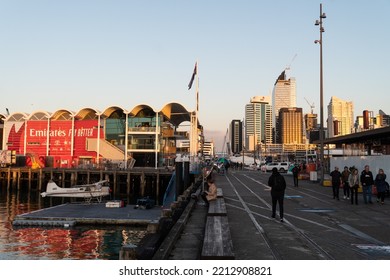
(53, 243)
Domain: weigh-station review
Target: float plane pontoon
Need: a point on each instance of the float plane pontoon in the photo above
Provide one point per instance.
(88, 191)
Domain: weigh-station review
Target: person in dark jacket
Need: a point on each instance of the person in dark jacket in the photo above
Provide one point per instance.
(345, 178)
(336, 182)
(295, 172)
(380, 183)
(367, 180)
(278, 185)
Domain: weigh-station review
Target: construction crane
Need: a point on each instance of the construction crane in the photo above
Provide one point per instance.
(292, 60)
(311, 105)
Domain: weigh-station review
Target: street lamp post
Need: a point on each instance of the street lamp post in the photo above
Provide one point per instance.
(320, 42)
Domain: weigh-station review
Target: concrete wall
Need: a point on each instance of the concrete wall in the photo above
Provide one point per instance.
(375, 162)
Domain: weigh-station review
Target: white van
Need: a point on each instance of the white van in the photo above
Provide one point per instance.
(281, 166)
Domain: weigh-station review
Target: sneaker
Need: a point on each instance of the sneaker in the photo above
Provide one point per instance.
(281, 220)
(345, 197)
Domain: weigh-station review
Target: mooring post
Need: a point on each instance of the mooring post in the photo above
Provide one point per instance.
(186, 172)
(14, 178)
(9, 178)
(63, 178)
(29, 179)
(157, 187)
(128, 185)
(179, 175)
(116, 189)
(143, 184)
(88, 177)
(40, 180)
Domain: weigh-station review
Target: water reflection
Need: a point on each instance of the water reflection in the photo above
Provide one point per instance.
(79, 242)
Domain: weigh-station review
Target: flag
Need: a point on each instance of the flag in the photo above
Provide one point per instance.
(193, 76)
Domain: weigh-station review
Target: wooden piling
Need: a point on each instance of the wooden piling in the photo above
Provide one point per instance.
(136, 183)
(40, 179)
(29, 179)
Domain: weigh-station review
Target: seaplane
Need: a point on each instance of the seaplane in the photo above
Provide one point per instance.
(95, 191)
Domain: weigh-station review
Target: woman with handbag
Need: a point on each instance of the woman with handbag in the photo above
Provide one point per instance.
(354, 182)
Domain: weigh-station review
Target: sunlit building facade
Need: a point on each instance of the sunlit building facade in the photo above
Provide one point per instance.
(141, 136)
(283, 96)
(291, 126)
(340, 117)
(258, 122)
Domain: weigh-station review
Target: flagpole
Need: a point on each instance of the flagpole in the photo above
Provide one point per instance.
(197, 108)
(194, 115)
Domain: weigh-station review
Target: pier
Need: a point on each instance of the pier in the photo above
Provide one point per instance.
(131, 183)
(315, 227)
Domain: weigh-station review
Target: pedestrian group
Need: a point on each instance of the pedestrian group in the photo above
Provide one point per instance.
(350, 181)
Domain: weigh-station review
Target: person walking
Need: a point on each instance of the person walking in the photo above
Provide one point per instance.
(336, 182)
(278, 185)
(354, 183)
(295, 172)
(344, 177)
(367, 180)
(380, 183)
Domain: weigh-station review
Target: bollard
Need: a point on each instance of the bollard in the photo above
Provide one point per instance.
(179, 175)
(128, 252)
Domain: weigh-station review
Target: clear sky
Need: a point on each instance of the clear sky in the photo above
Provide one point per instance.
(98, 53)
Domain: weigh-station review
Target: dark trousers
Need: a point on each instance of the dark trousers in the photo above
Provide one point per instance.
(277, 199)
(354, 195)
(346, 189)
(381, 196)
(367, 193)
(295, 180)
(336, 190)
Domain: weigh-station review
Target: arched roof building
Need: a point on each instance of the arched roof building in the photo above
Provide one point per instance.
(89, 136)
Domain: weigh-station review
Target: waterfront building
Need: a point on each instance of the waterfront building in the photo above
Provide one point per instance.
(208, 150)
(368, 121)
(340, 117)
(283, 96)
(291, 126)
(385, 118)
(142, 136)
(258, 122)
(311, 125)
(236, 136)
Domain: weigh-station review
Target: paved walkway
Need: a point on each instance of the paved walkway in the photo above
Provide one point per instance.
(315, 226)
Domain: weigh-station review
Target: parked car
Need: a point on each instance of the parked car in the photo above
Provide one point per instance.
(281, 166)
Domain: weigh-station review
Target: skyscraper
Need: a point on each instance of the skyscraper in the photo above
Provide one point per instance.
(340, 117)
(291, 126)
(258, 122)
(283, 96)
(236, 136)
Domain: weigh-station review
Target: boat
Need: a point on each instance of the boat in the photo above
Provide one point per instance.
(95, 191)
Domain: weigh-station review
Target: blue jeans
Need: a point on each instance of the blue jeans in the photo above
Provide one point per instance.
(367, 193)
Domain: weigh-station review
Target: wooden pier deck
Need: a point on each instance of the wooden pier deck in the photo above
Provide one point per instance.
(92, 213)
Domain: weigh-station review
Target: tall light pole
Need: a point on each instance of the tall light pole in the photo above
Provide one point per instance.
(320, 41)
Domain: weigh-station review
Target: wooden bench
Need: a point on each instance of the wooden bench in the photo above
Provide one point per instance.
(217, 207)
(217, 243)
